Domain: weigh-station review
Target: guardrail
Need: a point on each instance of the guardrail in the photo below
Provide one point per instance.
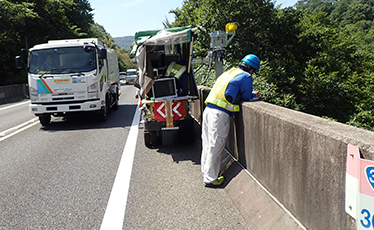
(299, 159)
(11, 93)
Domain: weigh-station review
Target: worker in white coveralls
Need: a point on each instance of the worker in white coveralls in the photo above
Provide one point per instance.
(232, 87)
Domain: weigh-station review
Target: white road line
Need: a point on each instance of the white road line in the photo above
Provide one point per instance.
(115, 211)
(14, 105)
(6, 132)
(17, 129)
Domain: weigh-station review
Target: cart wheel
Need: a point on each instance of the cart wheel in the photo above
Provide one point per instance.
(188, 133)
(150, 139)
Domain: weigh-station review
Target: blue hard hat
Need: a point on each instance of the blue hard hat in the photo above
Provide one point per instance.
(252, 60)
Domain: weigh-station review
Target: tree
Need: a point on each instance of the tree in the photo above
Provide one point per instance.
(26, 23)
(319, 5)
(13, 18)
(254, 18)
(317, 58)
(263, 30)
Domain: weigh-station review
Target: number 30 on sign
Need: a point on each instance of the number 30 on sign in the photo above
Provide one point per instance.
(367, 219)
(366, 195)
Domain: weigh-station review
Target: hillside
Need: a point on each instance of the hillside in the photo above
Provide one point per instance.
(124, 42)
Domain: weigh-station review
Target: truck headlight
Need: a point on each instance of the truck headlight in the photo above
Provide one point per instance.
(92, 88)
(33, 94)
(92, 91)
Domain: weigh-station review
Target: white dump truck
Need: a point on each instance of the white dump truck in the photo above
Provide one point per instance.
(71, 76)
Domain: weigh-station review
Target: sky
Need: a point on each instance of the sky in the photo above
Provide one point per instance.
(126, 17)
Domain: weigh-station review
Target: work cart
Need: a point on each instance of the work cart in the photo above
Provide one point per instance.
(166, 84)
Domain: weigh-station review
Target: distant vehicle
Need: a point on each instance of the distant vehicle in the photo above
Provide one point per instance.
(131, 76)
(122, 75)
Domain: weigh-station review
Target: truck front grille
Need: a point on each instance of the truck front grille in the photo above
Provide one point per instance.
(51, 108)
(62, 98)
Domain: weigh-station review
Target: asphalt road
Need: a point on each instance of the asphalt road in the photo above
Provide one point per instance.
(61, 177)
(14, 114)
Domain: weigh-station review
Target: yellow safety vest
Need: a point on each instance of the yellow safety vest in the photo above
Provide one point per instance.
(175, 70)
(217, 94)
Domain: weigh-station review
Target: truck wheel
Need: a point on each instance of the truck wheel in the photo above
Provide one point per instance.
(150, 139)
(45, 120)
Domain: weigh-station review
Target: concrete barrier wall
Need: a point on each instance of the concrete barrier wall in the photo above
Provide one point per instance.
(299, 158)
(12, 93)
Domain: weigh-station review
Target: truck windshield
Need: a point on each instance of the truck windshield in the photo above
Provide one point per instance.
(131, 73)
(62, 60)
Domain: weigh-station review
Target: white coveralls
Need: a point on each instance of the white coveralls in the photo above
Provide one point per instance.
(216, 127)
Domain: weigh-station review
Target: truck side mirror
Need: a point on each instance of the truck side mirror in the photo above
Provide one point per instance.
(102, 53)
(19, 62)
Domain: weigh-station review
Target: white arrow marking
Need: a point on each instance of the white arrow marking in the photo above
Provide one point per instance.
(160, 112)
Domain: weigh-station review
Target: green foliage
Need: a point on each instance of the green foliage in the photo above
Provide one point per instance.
(363, 119)
(206, 75)
(271, 89)
(322, 5)
(26, 23)
(338, 75)
(124, 61)
(255, 18)
(316, 57)
(13, 19)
